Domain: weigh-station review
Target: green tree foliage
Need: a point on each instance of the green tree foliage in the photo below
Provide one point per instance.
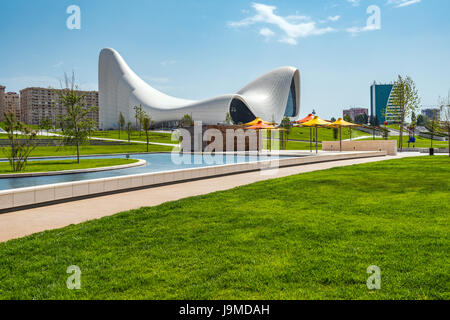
(129, 129)
(21, 139)
(186, 121)
(406, 98)
(146, 125)
(77, 123)
(286, 125)
(228, 119)
(422, 120)
(445, 117)
(121, 122)
(45, 124)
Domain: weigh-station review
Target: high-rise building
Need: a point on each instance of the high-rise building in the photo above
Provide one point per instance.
(2, 101)
(381, 103)
(432, 113)
(12, 104)
(354, 112)
(39, 103)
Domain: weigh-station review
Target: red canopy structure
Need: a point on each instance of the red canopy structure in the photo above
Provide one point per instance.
(261, 125)
(309, 117)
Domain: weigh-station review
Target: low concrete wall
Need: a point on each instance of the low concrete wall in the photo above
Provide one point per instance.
(390, 146)
(31, 196)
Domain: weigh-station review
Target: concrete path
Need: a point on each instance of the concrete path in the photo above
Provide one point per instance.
(22, 223)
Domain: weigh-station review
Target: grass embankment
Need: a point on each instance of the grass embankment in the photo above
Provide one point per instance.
(158, 137)
(90, 150)
(420, 142)
(310, 236)
(62, 165)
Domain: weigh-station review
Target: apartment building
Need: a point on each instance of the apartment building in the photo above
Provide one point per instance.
(39, 103)
(2, 102)
(12, 104)
(354, 112)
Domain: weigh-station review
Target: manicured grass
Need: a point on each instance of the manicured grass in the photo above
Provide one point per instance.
(323, 134)
(310, 236)
(5, 136)
(62, 165)
(89, 150)
(135, 136)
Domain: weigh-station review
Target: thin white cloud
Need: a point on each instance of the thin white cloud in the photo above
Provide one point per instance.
(334, 18)
(58, 65)
(291, 26)
(168, 63)
(356, 30)
(266, 32)
(354, 3)
(403, 3)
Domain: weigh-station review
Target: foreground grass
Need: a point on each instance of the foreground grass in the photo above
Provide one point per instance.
(62, 165)
(310, 236)
(90, 150)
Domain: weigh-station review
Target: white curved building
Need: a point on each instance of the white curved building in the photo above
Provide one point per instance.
(272, 96)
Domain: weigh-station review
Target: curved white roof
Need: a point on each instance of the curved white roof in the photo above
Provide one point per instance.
(120, 89)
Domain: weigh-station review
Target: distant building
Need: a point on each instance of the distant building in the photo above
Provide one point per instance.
(354, 112)
(2, 102)
(12, 104)
(432, 113)
(381, 106)
(39, 103)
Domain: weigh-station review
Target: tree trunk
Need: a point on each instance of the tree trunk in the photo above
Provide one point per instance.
(147, 140)
(78, 153)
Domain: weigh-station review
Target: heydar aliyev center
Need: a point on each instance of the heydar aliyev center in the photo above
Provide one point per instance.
(272, 96)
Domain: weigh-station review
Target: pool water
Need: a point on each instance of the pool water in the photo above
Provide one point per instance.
(156, 162)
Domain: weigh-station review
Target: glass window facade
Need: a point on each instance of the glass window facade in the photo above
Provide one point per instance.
(240, 113)
(292, 102)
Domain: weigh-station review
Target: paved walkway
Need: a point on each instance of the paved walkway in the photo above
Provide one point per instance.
(22, 223)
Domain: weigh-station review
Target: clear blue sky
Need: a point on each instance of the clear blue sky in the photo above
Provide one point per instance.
(198, 49)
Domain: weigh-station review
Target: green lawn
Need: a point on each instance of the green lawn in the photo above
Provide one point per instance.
(310, 236)
(135, 136)
(61, 165)
(323, 134)
(420, 142)
(90, 150)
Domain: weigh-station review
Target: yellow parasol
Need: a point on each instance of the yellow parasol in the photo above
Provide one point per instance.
(340, 123)
(256, 121)
(315, 123)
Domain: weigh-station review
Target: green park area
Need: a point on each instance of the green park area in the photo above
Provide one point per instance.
(323, 134)
(158, 137)
(308, 236)
(62, 165)
(420, 142)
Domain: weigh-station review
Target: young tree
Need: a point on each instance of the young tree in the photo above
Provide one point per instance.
(349, 119)
(286, 125)
(445, 117)
(21, 139)
(433, 126)
(422, 120)
(45, 124)
(335, 133)
(228, 119)
(77, 121)
(139, 115)
(406, 99)
(129, 130)
(146, 124)
(121, 122)
(186, 121)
